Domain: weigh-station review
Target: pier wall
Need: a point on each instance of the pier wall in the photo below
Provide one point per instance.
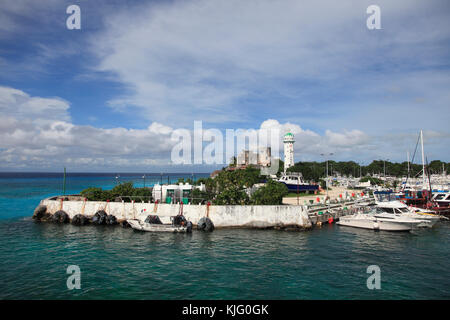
(222, 216)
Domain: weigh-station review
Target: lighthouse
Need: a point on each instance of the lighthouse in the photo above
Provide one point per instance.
(288, 150)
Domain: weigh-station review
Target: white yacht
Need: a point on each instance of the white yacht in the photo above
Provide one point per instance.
(387, 205)
(374, 222)
(398, 208)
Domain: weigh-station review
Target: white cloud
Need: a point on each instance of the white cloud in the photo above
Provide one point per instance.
(205, 59)
(200, 58)
(16, 103)
(310, 144)
(159, 128)
(37, 132)
(346, 139)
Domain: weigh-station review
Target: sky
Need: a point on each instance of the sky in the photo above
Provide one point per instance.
(110, 96)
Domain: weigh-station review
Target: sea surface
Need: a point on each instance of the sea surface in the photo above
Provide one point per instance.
(325, 263)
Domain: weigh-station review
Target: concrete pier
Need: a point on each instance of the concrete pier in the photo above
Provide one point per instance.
(222, 216)
(237, 216)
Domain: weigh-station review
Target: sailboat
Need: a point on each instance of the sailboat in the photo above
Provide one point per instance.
(417, 196)
(424, 197)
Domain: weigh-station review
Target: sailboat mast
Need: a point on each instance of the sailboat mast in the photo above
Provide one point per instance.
(407, 156)
(423, 161)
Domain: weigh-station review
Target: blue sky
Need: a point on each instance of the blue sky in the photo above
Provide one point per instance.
(109, 96)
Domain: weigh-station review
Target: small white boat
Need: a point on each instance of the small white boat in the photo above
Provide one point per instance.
(374, 222)
(390, 208)
(153, 227)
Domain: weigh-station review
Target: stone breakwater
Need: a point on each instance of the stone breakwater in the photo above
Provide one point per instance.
(237, 216)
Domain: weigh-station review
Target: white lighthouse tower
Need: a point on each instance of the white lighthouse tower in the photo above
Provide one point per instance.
(288, 150)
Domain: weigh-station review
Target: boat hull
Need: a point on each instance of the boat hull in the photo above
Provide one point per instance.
(301, 187)
(375, 224)
(427, 221)
(151, 227)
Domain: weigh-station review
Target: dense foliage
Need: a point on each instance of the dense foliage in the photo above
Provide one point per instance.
(229, 188)
(314, 171)
(95, 194)
(124, 191)
(280, 167)
(271, 194)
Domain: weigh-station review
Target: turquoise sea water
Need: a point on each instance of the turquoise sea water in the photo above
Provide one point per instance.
(325, 263)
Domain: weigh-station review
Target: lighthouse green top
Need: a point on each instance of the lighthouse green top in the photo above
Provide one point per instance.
(289, 138)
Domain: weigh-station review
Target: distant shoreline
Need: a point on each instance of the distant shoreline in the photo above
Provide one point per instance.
(93, 174)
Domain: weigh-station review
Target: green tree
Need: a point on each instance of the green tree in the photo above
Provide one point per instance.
(95, 194)
(280, 167)
(229, 187)
(233, 161)
(230, 195)
(270, 194)
(123, 189)
(198, 196)
(142, 194)
(323, 184)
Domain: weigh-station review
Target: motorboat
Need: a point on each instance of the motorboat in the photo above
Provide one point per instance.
(374, 222)
(386, 205)
(428, 213)
(398, 208)
(294, 182)
(178, 224)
